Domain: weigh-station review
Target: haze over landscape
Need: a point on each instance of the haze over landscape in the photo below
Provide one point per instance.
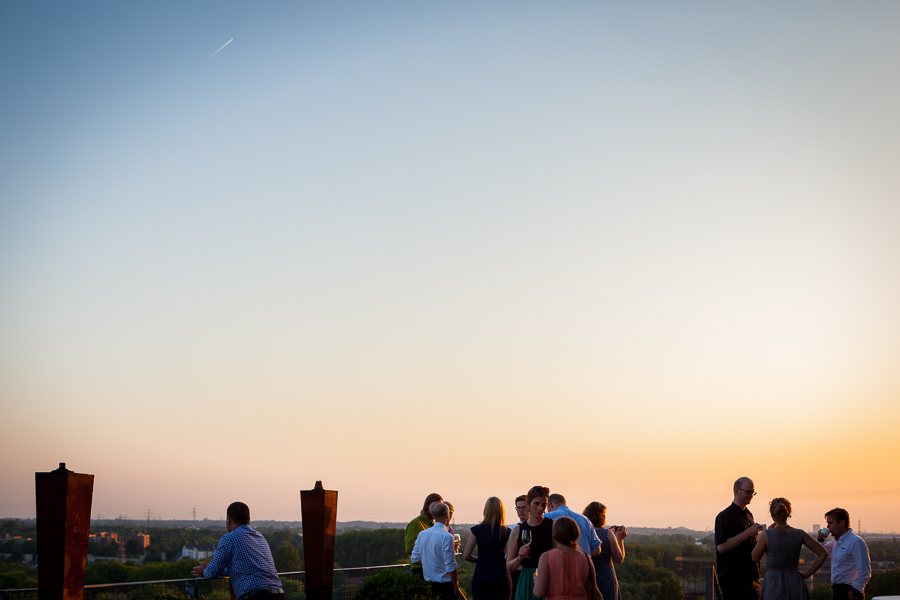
(629, 252)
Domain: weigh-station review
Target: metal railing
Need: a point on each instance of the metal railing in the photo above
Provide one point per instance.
(346, 583)
(697, 575)
(713, 591)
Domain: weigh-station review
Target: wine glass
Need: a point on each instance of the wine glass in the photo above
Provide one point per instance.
(526, 537)
(456, 542)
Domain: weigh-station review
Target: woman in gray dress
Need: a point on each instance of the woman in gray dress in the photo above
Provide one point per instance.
(782, 543)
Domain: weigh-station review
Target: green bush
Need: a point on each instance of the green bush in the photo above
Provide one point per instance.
(107, 571)
(293, 588)
(369, 548)
(821, 591)
(641, 579)
(287, 560)
(884, 584)
(394, 585)
(13, 576)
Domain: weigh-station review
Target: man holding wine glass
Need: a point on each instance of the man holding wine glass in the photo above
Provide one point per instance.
(736, 531)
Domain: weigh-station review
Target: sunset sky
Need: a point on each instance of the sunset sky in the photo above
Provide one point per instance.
(627, 251)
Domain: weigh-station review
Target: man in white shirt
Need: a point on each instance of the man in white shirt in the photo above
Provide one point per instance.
(588, 542)
(434, 551)
(850, 569)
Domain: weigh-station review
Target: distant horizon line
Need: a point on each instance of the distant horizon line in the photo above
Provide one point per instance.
(399, 524)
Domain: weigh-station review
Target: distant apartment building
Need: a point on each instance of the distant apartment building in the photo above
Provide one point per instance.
(104, 538)
(198, 552)
(143, 538)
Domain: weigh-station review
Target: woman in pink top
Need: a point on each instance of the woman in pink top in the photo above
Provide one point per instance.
(565, 573)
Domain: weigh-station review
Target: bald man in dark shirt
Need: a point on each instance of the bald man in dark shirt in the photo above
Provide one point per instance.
(736, 532)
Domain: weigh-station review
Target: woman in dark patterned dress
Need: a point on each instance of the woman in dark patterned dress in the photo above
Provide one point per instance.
(612, 549)
(491, 580)
(783, 580)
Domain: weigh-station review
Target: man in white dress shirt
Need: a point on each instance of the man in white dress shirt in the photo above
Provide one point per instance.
(434, 551)
(850, 569)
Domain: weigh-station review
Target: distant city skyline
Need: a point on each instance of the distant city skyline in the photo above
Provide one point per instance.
(629, 252)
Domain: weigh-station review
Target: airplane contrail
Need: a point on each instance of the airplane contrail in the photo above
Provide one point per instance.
(220, 49)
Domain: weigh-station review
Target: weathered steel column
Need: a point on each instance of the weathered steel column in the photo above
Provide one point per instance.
(63, 524)
(318, 509)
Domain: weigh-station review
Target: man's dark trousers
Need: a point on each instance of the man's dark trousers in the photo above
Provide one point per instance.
(840, 591)
(739, 592)
(443, 591)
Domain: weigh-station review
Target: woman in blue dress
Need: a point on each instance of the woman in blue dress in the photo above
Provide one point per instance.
(491, 580)
(612, 550)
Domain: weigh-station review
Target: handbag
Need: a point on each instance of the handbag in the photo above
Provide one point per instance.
(590, 586)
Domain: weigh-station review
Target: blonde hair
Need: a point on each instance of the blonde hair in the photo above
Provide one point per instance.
(494, 514)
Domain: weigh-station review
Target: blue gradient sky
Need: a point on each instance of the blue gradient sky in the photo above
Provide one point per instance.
(630, 252)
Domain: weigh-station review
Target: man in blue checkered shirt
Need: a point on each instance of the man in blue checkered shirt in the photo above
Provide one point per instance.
(243, 554)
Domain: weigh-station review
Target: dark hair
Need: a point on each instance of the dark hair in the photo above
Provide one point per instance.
(522, 498)
(537, 492)
(239, 513)
(839, 514)
(565, 531)
(429, 500)
(780, 509)
(596, 514)
(556, 499)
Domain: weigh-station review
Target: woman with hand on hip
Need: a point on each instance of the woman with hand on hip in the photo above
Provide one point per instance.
(782, 543)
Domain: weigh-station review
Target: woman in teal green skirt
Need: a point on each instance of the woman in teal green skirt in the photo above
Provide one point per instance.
(527, 556)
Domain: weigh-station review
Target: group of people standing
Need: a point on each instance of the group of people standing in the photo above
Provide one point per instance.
(741, 542)
(563, 555)
(560, 554)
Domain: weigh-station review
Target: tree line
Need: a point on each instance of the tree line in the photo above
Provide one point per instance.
(648, 573)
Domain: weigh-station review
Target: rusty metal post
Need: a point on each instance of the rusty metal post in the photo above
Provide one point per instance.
(318, 509)
(63, 524)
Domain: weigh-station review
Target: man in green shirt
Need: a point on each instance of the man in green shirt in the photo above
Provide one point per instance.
(424, 521)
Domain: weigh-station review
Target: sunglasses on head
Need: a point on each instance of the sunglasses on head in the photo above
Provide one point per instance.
(538, 488)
